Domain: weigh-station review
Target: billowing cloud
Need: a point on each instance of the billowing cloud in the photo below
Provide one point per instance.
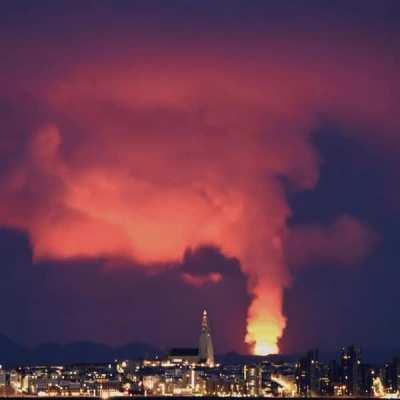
(346, 241)
(148, 148)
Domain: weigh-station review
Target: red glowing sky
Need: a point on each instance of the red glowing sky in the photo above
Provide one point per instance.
(123, 143)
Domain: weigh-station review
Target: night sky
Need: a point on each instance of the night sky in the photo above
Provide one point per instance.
(162, 157)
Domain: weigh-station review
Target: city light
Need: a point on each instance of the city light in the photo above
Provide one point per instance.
(193, 371)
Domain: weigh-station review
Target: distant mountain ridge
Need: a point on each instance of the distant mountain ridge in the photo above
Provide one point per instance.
(11, 353)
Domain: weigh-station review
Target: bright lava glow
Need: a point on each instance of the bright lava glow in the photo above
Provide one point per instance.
(189, 152)
(263, 348)
(265, 322)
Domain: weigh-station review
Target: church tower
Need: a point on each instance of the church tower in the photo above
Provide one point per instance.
(206, 351)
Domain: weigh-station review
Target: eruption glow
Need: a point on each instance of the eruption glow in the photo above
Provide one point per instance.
(145, 155)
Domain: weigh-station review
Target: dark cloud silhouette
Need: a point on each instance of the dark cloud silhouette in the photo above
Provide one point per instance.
(116, 302)
(329, 306)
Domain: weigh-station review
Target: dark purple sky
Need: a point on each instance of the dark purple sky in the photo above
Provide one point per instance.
(263, 136)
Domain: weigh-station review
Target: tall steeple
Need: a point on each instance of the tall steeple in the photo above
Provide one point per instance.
(206, 350)
(204, 322)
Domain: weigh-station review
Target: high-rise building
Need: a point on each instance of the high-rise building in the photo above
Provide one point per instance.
(333, 375)
(326, 386)
(351, 370)
(392, 375)
(206, 350)
(308, 374)
(367, 374)
(252, 376)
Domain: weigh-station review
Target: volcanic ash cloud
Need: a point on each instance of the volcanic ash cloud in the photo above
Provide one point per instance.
(123, 159)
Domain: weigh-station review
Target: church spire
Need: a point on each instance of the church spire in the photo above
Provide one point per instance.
(204, 322)
(206, 351)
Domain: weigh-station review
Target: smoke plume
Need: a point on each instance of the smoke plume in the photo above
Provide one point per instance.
(144, 149)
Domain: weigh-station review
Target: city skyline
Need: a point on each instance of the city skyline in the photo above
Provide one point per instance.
(161, 158)
(189, 372)
(89, 370)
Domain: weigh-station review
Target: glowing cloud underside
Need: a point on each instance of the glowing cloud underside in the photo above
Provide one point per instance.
(145, 162)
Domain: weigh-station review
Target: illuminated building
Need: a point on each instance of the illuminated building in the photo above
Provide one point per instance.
(29, 384)
(367, 375)
(15, 380)
(392, 375)
(351, 370)
(183, 355)
(206, 350)
(252, 376)
(325, 383)
(2, 377)
(204, 354)
(308, 374)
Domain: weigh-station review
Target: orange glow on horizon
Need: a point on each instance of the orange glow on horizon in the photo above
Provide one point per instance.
(145, 162)
(262, 348)
(264, 331)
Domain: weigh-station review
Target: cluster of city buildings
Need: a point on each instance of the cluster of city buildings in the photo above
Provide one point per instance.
(194, 372)
(348, 376)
